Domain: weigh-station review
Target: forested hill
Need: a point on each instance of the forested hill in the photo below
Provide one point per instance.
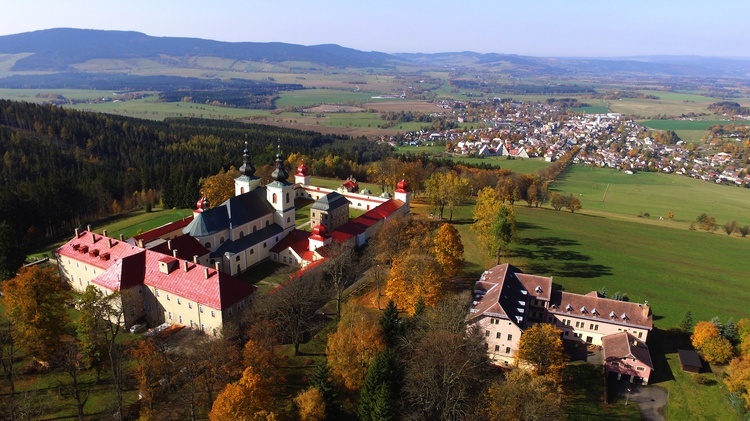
(62, 168)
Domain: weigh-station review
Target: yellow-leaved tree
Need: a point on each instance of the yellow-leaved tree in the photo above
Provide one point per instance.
(354, 345)
(541, 346)
(414, 276)
(449, 250)
(220, 187)
(738, 377)
(311, 405)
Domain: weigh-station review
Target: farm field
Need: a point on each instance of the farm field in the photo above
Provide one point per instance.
(308, 97)
(655, 193)
(670, 104)
(689, 125)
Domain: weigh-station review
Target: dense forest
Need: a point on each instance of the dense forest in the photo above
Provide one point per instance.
(63, 168)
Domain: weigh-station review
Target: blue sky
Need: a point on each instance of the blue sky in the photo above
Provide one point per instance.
(589, 28)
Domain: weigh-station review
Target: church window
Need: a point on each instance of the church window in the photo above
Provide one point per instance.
(264, 245)
(277, 238)
(237, 259)
(267, 223)
(207, 245)
(287, 198)
(288, 219)
(274, 198)
(242, 190)
(252, 251)
(254, 228)
(221, 240)
(242, 234)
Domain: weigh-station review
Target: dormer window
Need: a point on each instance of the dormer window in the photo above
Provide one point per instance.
(538, 289)
(624, 316)
(583, 310)
(612, 314)
(569, 307)
(594, 312)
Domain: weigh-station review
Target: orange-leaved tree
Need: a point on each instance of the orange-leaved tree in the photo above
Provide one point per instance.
(244, 399)
(703, 332)
(354, 345)
(35, 302)
(311, 405)
(718, 350)
(414, 276)
(738, 378)
(448, 250)
(220, 187)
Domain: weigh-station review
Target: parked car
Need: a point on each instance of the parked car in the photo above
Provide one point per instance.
(138, 328)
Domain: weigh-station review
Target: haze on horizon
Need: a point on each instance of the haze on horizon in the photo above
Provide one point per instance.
(546, 28)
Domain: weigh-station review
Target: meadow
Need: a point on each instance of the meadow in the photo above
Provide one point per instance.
(689, 124)
(309, 97)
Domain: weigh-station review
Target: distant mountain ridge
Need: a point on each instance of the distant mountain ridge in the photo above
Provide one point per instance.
(60, 49)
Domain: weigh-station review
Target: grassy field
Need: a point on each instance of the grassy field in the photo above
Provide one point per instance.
(519, 165)
(688, 125)
(671, 104)
(627, 196)
(308, 97)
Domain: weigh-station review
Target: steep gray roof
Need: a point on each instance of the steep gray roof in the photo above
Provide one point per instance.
(234, 247)
(235, 211)
(330, 202)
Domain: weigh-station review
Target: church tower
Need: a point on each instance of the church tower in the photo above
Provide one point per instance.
(403, 193)
(280, 194)
(247, 181)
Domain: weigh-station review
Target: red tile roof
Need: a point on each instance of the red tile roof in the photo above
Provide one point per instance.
(296, 239)
(108, 250)
(592, 307)
(503, 290)
(624, 345)
(373, 216)
(164, 229)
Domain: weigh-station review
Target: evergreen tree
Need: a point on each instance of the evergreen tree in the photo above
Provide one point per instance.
(11, 252)
(321, 380)
(378, 396)
(687, 322)
(419, 307)
(391, 324)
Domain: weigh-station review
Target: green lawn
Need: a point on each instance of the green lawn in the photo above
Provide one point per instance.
(630, 195)
(138, 222)
(688, 125)
(584, 386)
(519, 165)
(420, 149)
(309, 97)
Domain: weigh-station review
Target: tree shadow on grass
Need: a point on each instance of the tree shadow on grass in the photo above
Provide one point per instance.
(571, 269)
(661, 343)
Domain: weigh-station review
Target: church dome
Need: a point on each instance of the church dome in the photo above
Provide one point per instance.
(302, 170)
(402, 185)
(320, 230)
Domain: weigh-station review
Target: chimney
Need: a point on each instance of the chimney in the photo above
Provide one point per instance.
(140, 243)
(104, 233)
(169, 244)
(185, 265)
(88, 227)
(174, 253)
(109, 241)
(93, 237)
(122, 237)
(216, 266)
(78, 234)
(195, 259)
(205, 273)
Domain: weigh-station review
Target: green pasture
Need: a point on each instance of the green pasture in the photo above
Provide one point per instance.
(309, 97)
(692, 135)
(150, 109)
(629, 195)
(688, 124)
(29, 95)
(593, 109)
(361, 119)
(138, 222)
(681, 96)
(649, 108)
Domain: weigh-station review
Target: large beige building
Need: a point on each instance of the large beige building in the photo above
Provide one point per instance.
(507, 302)
(154, 287)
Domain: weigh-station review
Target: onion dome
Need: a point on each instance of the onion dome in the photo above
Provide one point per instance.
(402, 186)
(302, 170)
(279, 174)
(202, 204)
(320, 230)
(247, 168)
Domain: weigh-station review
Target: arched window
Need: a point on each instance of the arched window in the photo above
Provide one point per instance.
(254, 228)
(287, 198)
(207, 245)
(221, 240)
(288, 219)
(267, 223)
(274, 198)
(242, 190)
(238, 268)
(252, 251)
(242, 234)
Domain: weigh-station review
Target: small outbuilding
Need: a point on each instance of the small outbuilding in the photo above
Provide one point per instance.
(690, 360)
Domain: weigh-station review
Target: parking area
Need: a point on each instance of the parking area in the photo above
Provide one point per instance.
(650, 399)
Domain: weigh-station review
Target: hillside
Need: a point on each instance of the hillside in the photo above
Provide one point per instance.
(61, 49)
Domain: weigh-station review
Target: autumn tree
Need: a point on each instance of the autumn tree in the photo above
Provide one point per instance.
(292, 307)
(572, 203)
(702, 333)
(261, 351)
(152, 365)
(743, 230)
(213, 363)
(706, 222)
(521, 396)
(730, 227)
(446, 189)
(8, 354)
(443, 372)
(220, 187)
(738, 378)
(310, 405)
(339, 270)
(449, 250)
(485, 211)
(557, 201)
(400, 235)
(244, 400)
(35, 302)
(717, 350)
(70, 361)
(413, 276)
(358, 338)
(541, 346)
(670, 215)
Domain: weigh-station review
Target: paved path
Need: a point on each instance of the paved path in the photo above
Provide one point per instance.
(651, 399)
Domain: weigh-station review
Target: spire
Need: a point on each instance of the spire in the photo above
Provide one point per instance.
(279, 174)
(247, 168)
